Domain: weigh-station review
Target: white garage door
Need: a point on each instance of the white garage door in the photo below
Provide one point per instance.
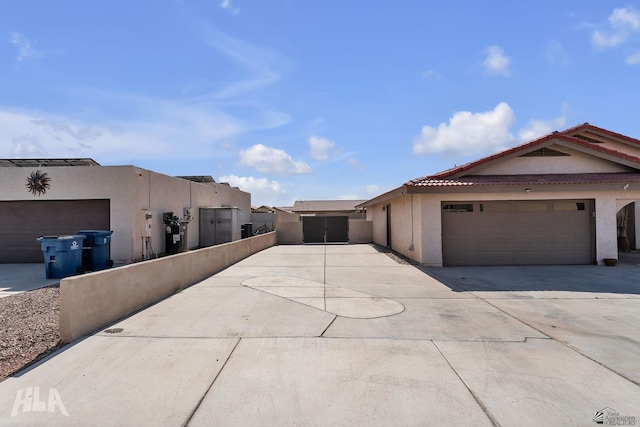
(518, 232)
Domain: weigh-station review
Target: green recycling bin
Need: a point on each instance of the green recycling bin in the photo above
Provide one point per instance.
(95, 251)
(62, 255)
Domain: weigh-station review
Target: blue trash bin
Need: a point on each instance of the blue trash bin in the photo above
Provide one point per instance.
(96, 249)
(62, 255)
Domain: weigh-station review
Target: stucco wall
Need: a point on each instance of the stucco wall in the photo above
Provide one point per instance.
(427, 238)
(360, 231)
(261, 219)
(378, 218)
(85, 182)
(131, 191)
(406, 225)
(92, 301)
(289, 233)
(575, 163)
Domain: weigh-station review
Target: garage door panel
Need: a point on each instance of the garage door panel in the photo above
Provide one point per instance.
(523, 232)
(22, 222)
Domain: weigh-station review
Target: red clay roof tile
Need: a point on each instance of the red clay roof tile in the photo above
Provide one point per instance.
(556, 135)
(530, 179)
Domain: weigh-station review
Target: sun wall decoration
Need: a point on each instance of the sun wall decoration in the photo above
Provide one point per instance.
(38, 183)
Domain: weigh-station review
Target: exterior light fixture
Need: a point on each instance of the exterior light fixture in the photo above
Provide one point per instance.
(527, 190)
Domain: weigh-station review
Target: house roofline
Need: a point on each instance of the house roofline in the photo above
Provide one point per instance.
(570, 141)
(605, 132)
(396, 192)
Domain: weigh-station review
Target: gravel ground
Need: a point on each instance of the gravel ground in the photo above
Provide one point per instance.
(29, 328)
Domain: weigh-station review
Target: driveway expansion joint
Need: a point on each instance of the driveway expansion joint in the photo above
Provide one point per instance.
(474, 395)
(195, 409)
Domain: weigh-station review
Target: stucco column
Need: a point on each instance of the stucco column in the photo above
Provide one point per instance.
(606, 229)
(431, 221)
(637, 223)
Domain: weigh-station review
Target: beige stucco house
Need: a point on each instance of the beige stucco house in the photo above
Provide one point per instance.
(559, 199)
(81, 194)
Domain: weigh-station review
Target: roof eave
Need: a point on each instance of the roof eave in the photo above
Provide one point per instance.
(389, 195)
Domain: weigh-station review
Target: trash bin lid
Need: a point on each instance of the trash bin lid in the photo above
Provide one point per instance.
(68, 237)
(96, 232)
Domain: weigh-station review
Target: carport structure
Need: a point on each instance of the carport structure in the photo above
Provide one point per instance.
(553, 200)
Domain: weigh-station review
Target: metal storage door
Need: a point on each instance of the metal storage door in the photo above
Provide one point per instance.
(327, 229)
(313, 229)
(223, 226)
(337, 229)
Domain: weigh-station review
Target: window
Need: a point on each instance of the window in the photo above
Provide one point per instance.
(457, 207)
(496, 207)
(568, 205)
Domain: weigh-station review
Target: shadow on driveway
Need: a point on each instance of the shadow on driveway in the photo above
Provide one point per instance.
(621, 279)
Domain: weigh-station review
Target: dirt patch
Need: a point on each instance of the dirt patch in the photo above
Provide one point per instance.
(400, 259)
(29, 328)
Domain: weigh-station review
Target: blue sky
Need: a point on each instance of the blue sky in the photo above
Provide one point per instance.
(293, 100)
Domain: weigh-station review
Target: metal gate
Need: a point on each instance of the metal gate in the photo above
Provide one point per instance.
(325, 229)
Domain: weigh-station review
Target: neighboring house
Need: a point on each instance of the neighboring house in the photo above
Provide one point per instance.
(263, 219)
(81, 194)
(329, 207)
(560, 199)
(323, 221)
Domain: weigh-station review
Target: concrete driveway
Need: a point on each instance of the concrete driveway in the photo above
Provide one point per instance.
(344, 335)
(16, 278)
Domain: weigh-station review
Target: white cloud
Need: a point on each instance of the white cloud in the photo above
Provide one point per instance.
(431, 74)
(321, 148)
(497, 62)
(141, 128)
(263, 191)
(226, 5)
(373, 189)
(25, 50)
(537, 128)
(469, 133)
(348, 197)
(634, 58)
(606, 41)
(623, 23)
(625, 19)
(355, 163)
(272, 161)
(261, 64)
(557, 54)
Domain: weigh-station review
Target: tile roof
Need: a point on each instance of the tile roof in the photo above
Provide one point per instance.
(530, 179)
(326, 205)
(576, 130)
(556, 136)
